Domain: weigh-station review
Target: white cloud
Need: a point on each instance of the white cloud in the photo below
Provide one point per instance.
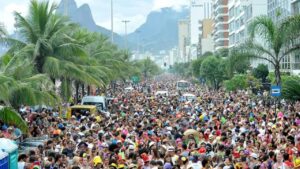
(7, 16)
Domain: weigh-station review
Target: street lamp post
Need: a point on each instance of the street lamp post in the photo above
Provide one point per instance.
(125, 23)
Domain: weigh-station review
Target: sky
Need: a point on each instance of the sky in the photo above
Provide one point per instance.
(135, 11)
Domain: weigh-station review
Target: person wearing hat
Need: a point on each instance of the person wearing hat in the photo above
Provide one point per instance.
(168, 166)
(97, 161)
(195, 164)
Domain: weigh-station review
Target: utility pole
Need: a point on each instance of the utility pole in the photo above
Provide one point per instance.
(66, 7)
(138, 41)
(125, 23)
(112, 20)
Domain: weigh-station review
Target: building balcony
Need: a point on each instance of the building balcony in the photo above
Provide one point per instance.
(219, 15)
(222, 39)
(221, 23)
(220, 7)
(221, 47)
(217, 32)
(220, 2)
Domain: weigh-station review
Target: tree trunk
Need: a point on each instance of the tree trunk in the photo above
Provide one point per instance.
(88, 90)
(39, 63)
(277, 73)
(76, 92)
(82, 90)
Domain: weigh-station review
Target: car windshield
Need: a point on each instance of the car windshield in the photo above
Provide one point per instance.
(98, 105)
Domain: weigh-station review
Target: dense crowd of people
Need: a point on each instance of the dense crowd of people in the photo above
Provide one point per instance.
(218, 130)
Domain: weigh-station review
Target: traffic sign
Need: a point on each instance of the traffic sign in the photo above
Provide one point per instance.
(276, 91)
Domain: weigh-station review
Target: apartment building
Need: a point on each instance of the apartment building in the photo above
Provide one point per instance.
(241, 13)
(183, 40)
(206, 43)
(221, 31)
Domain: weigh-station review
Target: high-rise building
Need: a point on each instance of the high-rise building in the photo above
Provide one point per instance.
(279, 10)
(241, 12)
(206, 40)
(221, 31)
(183, 39)
(199, 10)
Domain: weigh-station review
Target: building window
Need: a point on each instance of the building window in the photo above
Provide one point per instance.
(297, 61)
(285, 63)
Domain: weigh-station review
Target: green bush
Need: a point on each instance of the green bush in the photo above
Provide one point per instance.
(238, 82)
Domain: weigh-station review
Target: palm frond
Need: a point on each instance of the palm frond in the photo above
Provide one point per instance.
(264, 27)
(11, 117)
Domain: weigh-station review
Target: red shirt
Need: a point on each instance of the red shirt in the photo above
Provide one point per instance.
(289, 164)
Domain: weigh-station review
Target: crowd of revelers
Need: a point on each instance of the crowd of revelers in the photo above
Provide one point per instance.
(218, 130)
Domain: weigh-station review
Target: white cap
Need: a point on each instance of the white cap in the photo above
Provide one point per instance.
(131, 147)
(169, 128)
(254, 155)
(171, 148)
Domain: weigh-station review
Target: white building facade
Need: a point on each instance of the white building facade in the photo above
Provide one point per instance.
(183, 40)
(221, 31)
(200, 9)
(241, 13)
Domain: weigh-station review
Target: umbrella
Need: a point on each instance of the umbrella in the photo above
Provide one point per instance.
(193, 132)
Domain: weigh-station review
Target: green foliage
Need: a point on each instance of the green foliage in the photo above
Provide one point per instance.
(4, 60)
(277, 40)
(213, 70)
(206, 54)
(20, 86)
(183, 69)
(222, 53)
(261, 72)
(237, 62)
(148, 67)
(291, 88)
(11, 117)
(253, 82)
(196, 65)
(238, 82)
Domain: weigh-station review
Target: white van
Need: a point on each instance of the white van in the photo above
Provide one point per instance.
(189, 97)
(162, 93)
(128, 89)
(98, 101)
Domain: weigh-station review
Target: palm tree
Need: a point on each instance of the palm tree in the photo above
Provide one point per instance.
(19, 86)
(50, 44)
(273, 41)
(148, 67)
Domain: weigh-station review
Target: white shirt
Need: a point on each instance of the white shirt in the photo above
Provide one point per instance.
(197, 165)
(21, 165)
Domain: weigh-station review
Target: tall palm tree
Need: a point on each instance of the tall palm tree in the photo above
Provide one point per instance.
(273, 41)
(62, 50)
(50, 45)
